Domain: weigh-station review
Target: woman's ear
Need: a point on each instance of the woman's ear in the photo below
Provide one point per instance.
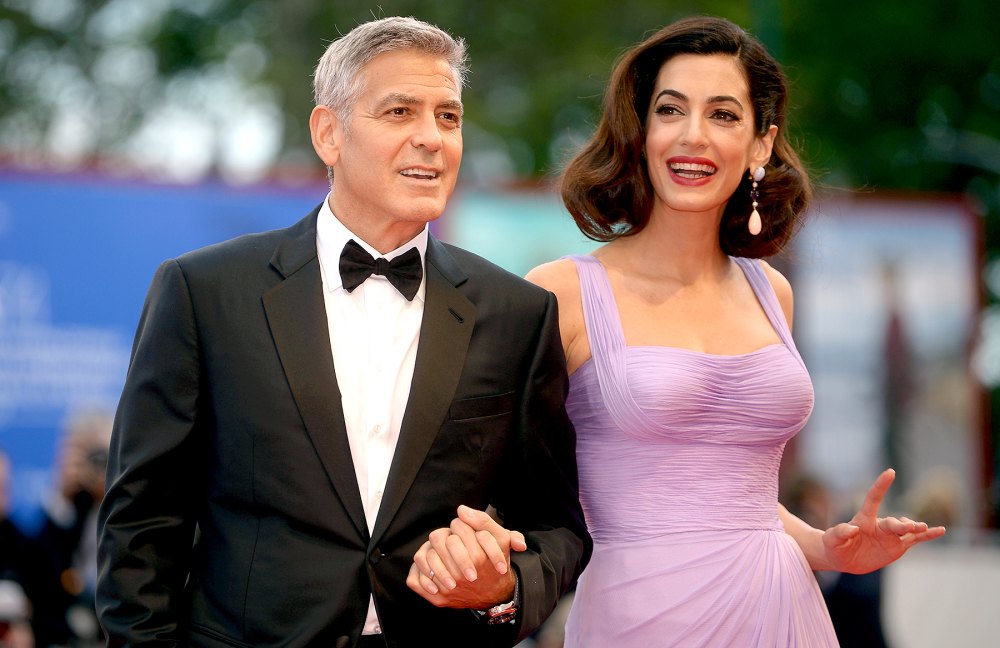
(763, 146)
(326, 131)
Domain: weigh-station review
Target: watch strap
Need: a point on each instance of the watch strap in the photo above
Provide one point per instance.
(504, 612)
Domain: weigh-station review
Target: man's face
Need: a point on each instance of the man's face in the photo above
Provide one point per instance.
(397, 158)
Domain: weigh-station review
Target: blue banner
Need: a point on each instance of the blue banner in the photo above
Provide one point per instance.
(77, 254)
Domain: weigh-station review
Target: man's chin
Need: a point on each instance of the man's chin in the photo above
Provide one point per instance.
(424, 210)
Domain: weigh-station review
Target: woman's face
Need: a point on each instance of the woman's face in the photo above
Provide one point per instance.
(700, 139)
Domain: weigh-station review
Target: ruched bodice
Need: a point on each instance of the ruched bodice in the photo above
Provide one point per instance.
(678, 454)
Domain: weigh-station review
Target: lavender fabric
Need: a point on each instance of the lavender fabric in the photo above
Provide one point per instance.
(678, 455)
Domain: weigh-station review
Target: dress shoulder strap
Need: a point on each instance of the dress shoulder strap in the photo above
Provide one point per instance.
(768, 299)
(608, 352)
(600, 312)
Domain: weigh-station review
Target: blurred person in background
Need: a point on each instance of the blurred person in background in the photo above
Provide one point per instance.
(685, 383)
(306, 409)
(936, 497)
(66, 544)
(15, 561)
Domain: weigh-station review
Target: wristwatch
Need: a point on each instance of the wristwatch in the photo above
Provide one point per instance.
(500, 614)
(505, 612)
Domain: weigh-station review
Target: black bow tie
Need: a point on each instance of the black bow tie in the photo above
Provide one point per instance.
(403, 272)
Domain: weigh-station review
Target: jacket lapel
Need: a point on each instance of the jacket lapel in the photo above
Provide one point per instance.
(448, 321)
(296, 313)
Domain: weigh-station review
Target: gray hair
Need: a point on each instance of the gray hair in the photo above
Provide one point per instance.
(337, 78)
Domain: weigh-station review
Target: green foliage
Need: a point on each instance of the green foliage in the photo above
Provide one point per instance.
(891, 95)
(888, 91)
(532, 63)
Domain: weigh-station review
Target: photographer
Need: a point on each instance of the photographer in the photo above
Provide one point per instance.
(67, 538)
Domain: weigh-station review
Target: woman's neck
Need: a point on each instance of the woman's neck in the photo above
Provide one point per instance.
(684, 248)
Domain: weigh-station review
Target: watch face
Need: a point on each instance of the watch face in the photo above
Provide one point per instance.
(497, 609)
(504, 616)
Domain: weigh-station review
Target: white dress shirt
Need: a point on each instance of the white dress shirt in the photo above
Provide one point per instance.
(373, 333)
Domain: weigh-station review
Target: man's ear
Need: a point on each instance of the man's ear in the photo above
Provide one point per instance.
(327, 132)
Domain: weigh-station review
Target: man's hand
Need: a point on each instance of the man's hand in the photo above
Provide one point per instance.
(466, 565)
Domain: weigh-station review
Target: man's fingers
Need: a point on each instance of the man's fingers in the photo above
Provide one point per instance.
(472, 547)
(495, 540)
(459, 558)
(438, 537)
(479, 520)
(494, 552)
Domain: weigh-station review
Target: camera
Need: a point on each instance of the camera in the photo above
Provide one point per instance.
(97, 459)
(94, 467)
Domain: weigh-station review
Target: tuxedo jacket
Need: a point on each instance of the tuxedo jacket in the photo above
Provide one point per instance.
(233, 516)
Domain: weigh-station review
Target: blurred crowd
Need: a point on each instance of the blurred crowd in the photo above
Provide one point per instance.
(48, 567)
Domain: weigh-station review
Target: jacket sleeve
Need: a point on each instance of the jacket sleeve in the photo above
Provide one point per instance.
(542, 496)
(147, 518)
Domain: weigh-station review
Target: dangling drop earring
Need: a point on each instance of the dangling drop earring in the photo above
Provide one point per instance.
(754, 223)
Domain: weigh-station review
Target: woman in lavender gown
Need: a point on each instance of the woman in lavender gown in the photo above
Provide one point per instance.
(685, 381)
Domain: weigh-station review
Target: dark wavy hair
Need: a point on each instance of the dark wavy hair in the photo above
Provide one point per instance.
(606, 186)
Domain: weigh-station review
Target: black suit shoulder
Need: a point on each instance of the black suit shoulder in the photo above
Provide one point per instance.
(251, 261)
(484, 268)
(234, 254)
(486, 279)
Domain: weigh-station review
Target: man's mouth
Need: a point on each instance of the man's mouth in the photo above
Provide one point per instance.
(420, 174)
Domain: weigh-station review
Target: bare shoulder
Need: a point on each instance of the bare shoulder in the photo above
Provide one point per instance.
(559, 277)
(782, 289)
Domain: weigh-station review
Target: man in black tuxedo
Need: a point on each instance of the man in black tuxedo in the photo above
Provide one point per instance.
(305, 407)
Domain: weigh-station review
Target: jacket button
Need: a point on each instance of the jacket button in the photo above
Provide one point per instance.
(376, 556)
